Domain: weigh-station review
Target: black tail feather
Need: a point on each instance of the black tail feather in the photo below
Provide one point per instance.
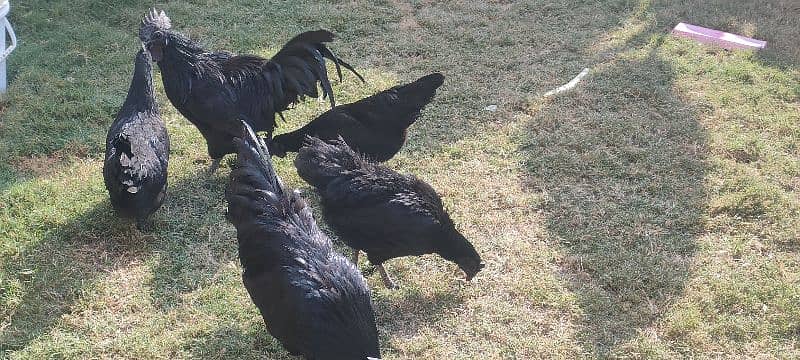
(327, 53)
(400, 106)
(314, 36)
(252, 150)
(303, 62)
(423, 89)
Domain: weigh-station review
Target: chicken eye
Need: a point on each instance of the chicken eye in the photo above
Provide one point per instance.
(158, 35)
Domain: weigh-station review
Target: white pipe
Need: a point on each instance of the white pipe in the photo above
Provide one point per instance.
(5, 26)
(571, 84)
(3, 55)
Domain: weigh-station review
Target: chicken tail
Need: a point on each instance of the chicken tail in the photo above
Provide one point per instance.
(302, 64)
(422, 90)
(256, 190)
(399, 106)
(413, 97)
(253, 180)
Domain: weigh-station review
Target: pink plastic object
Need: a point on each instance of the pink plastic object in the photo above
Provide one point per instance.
(710, 36)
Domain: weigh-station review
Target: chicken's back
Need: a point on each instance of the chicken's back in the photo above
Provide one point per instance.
(398, 107)
(318, 306)
(135, 169)
(373, 208)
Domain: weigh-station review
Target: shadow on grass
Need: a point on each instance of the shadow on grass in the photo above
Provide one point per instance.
(621, 164)
(55, 271)
(196, 240)
(229, 342)
(492, 53)
(405, 311)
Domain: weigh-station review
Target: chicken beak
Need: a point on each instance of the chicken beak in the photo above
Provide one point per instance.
(471, 275)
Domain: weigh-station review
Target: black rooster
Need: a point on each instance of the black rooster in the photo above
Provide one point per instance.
(137, 149)
(380, 211)
(312, 299)
(374, 126)
(215, 90)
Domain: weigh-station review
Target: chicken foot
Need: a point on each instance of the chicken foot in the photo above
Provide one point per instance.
(214, 166)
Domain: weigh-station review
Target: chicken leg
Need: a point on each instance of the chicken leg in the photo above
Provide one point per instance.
(386, 279)
(214, 166)
(141, 225)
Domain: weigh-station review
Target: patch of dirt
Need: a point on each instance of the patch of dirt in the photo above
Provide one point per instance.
(408, 22)
(572, 269)
(742, 156)
(37, 165)
(43, 165)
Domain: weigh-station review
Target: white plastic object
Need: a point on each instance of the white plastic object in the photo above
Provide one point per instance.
(5, 27)
(571, 84)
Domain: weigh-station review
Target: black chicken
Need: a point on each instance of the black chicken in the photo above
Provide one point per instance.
(312, 299)
(137, 149)
(380, 211)
(374, 126)
(215, 90)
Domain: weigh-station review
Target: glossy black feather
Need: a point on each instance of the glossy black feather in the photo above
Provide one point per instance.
(137, 149)
(215, 90)
(374, 126)
(313, 300)
(380, 211)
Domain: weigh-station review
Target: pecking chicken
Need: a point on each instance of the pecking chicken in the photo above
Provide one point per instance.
(379, 211)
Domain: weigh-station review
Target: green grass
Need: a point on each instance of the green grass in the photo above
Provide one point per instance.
(653, 212)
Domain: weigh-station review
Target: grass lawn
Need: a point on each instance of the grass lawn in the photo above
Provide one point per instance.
(653, 212)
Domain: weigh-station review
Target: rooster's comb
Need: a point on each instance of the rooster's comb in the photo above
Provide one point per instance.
(152, 22)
